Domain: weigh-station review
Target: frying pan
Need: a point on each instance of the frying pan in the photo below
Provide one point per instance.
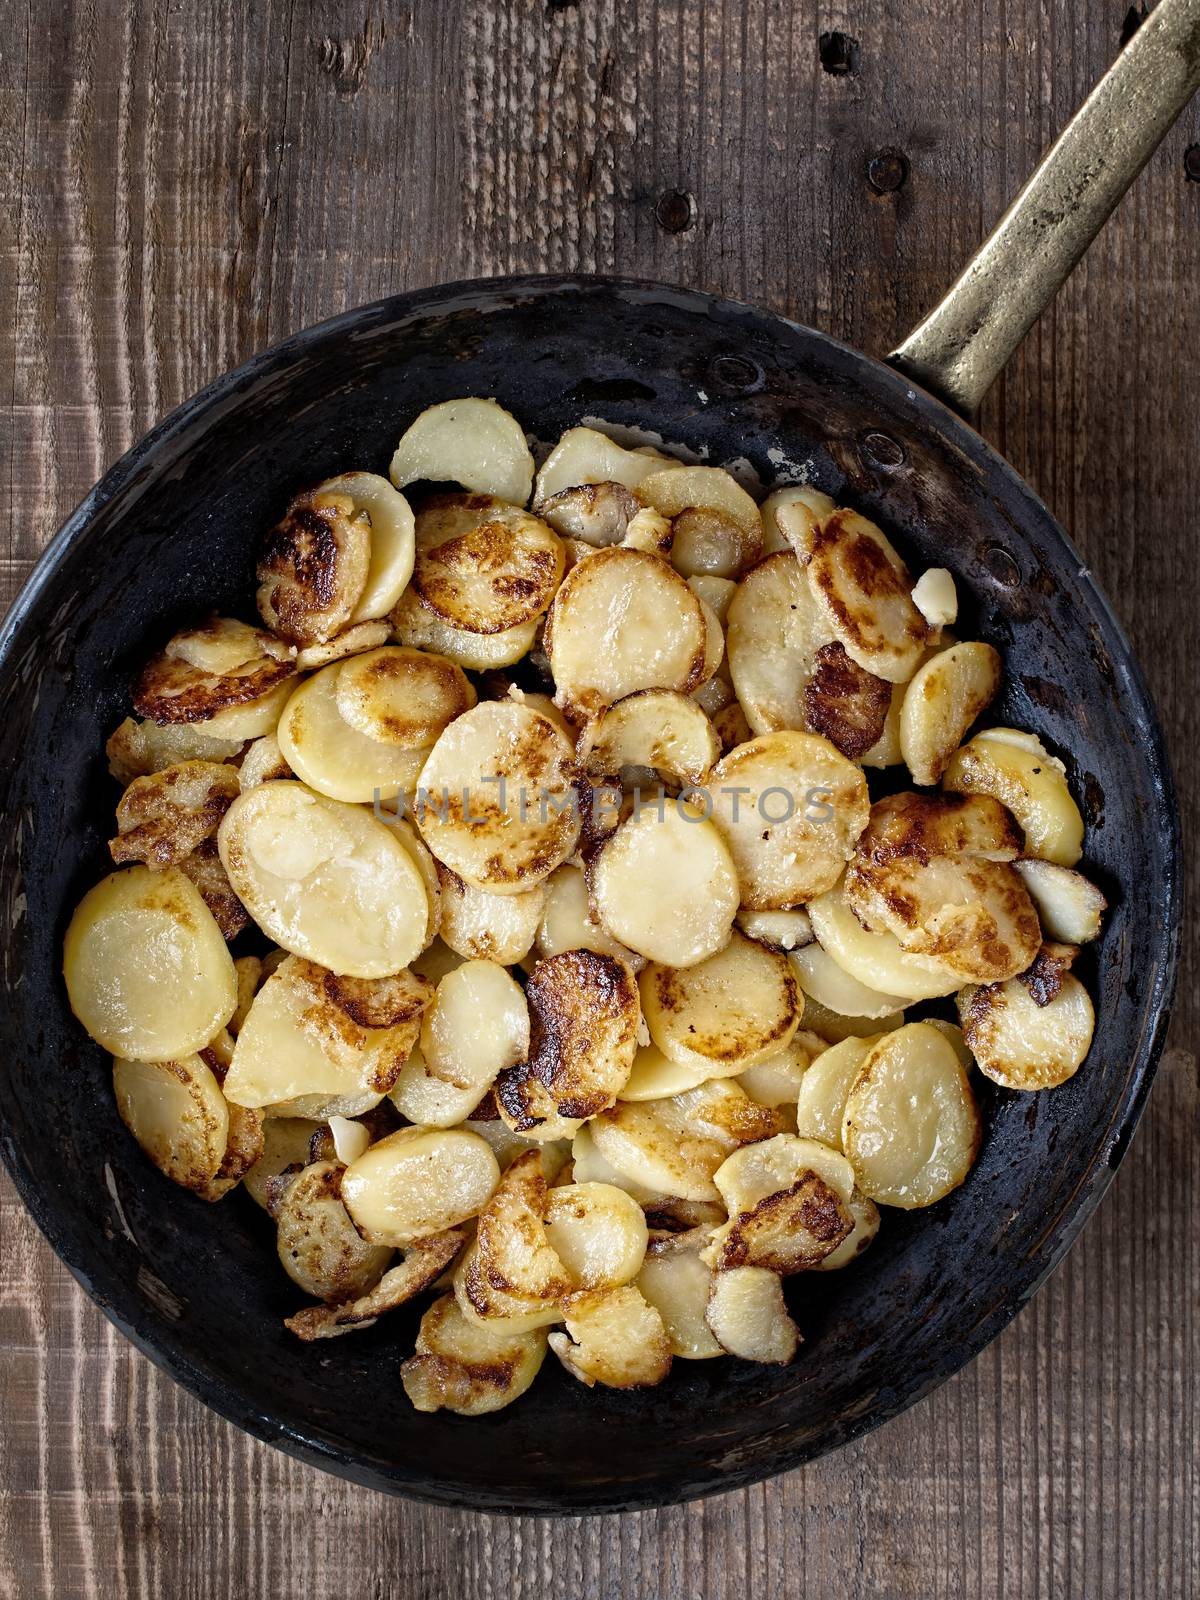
(170, 532)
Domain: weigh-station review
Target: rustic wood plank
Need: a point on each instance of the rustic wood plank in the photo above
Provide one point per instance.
(184, 186)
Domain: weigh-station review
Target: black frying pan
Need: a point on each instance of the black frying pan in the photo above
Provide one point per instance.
(169, 533)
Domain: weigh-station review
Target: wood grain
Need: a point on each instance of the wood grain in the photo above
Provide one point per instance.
(185, 184)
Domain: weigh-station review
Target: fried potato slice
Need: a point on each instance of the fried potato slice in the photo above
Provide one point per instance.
(864, 1214)
(162, 818)
(598, 1232)
(318, 1246)
(825, 1087)
(790, 1231)
(469, 1367)
(471, 441)
(614, 1337)
(485, 566)
(779, 930)
(844, 703)
(583, 1022)
(790, 807)
(204, 869)
(330, 755)
(481, 1302)
(822, 980)
(672, 1147)
(585, 456)
(568, 922)
(771, 1166)
(262, 763)
(423, 1262)
(774, 630)
(136, 749)
(942, 701)
(1069, 906)
(477, 1026)
(1019, 771)
(514, 1257)
(748, 1316)
(497, 802)
(833, 1026)
(483, 926)
(422, 858)
(623, 620)
(655, 735)
(401, 697)
(664, 884)
(934, 871)
(391, 546)
(351, 641)
(790, 514)
(313, 566)
(656, 1077)
(325, 880)
(428, 1102)
(380, 1002)
(911, 1126)
(876, 959)
(177, 1113)
(419, 1181)
(203, 674)
(287, 1142)
(863, 592)
(1022, 1044)
(776, 1081)
(420, 628)
(675, 1281)
(147, 970)
(717, 528)
(731, 1010)
(595, 514)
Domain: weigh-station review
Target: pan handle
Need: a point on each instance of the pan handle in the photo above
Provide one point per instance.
(958, 352)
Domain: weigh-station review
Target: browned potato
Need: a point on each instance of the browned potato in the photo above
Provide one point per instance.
(864, 593)
(942, 702)
(402, 697)
(162, 818)
(655, 734)
(176, 1112)
(136, 749)
(423, 1262)
(514, 1253)
(1027, 1036)
(845, 702)
(597, 514)
(790, 1231)
(469, 1367)
(738, 1007)
(746, 1312)
(484, 566)
(203, 867)
(313, 566)
(774, 631)
(318, 1245)
(672, 1147)
(614, 1337)
(483, 926)
(221, 674)
(675, 1281)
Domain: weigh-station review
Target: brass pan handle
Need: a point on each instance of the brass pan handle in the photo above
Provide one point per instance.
(958, 352)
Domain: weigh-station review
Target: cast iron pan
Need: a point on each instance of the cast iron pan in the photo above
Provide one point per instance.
(170, 534)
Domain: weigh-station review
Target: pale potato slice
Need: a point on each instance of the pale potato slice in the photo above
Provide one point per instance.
(583, 1025)
(954, 1034)
(911, 1126)
(724, 1014)
(776, 1081)
(748, 1316)
(771, 1166)
(822, 980)
(177, 1113)
(715, 593)
(477, 1026)
(514, 1253)
(591, 514)
(675, 1281)
(876, 959)
(846, 704)
(202, 673)
(287, 1142)
(831, 1027)
(297, 1042)
(390, 523)
(416, 625)
(653, 734)
(164, 817)
(716, 524)
(589, 1166)
(351, 641)
(790, 1231)
(419, 1181)
(614, 1337)
(136, 749)
(790, 807)
(569, 924)
(673, 1147)
(263, 763)
(318, 1245)
(255, 718)
(773, 631)
(507, 1145)
(427, 1101)
(1069, 906)
(469, 1367)
(821, 1102)
(325, 880)
(790, 516)
(934, 870)
(485, 566)
(656, 1077)
(350, 1139)
(401, 697)
(497, 803)
(249, 974)
(863, 592)
(334, 758)
(147, 970)
(664, 884)
(422, 858)
(489, 927)
(423, 1262)
(598, 1232)
(936, 598)
(434, 963)
(544, 706)
(864, 1214)
(1021, 1044)
(781, 930)
(585, 456)
(1031, 782)
(623, 620)
(942, 701)
(474, 442)
(313, 566)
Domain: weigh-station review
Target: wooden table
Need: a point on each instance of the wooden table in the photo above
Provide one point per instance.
(185, 183)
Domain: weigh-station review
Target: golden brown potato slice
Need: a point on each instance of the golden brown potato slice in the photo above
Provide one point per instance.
(313, 566)
(207, 673)
(469, 1367)
(380, 1002)
(790, 807)
(614, 1337)
(354, 640)
(1025, 1038)
(911, 1127)
(770, 1166)
(204, 869)
(792, 1230)
(655, 734)
(481, 1302)
(598, 1232)
(737, 1007)
(333, 757)
(1019, 771)
(423, 1263)
(485, 566)
(875, 959)
(497, 803)
(846, 704)
(594, 514)
(864, 1214)
(1069, 906)
(136, 749)
(942, 701)
(472, 441)
(790, 515)
(162, 818)
(262, 763)
(419, 1181)
(176, 1112)
(568, 922)
(515, 1255)
(583, 1020)
(147, 970)
(623, 620)
(672, 1147)
(773, 632)
(287, 1142)
(675, 1281)
(716, 524)
(390, 520)
(863, 592)
(318, 1246)
(747, 1313)
(585, 456)
(489, 927)
(422, 629)
(402, 697)
(477, 1026)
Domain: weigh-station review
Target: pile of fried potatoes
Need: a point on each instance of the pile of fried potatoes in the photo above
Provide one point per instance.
(582, 1000)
